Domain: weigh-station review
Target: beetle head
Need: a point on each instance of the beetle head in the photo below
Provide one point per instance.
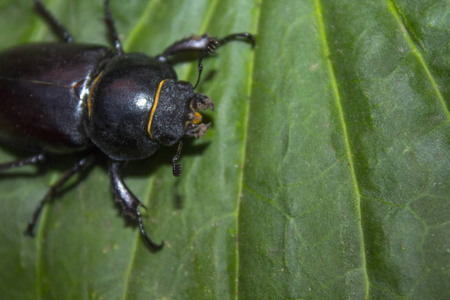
(175, 112)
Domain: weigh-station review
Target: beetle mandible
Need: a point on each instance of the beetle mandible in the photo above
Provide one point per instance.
(59, 98)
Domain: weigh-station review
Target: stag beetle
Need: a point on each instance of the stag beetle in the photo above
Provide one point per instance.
(60, 98)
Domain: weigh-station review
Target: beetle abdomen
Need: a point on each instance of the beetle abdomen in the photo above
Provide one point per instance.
(42, 95)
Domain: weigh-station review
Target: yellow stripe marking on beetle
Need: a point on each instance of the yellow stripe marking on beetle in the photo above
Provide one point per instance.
(90, 94)
(158, 91)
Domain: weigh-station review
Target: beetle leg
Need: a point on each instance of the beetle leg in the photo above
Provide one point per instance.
(200, 43)
(55, 188)
(192, 43)
(112, 29)
(204, 43)
(22, 162)
(57, 27)
(129, 202)
(248, 36)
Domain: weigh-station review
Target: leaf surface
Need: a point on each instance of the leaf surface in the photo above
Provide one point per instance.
(325, 173)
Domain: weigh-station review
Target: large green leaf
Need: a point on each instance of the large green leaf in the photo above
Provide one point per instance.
(325, 174)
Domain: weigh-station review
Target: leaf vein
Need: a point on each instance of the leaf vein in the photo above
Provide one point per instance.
(348, 149)
(396, 13)
(269, 200)
(251, 71)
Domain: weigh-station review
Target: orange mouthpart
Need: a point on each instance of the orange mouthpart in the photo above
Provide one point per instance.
(197, 118)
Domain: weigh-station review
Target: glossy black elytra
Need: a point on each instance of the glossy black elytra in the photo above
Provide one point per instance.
(59, 98)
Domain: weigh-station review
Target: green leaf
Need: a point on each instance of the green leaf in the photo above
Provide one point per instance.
(325, 174)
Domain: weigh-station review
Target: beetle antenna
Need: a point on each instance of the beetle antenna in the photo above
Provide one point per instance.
(176, 168)
(209, 49)
(213, 44)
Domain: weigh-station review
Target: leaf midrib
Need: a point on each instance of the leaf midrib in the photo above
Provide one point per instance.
(251, 72)
(348, 150)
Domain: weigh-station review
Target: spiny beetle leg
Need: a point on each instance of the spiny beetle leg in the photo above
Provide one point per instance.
(56, 26)
(231, 37)
(122, 193)
(190, 44)
(55, 188)
(204, 43)
(150, 243)
(112, 29)
(22, 162)
(200, 43)
(129, 202)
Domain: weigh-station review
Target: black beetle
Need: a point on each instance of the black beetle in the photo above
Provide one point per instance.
(59, 98)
